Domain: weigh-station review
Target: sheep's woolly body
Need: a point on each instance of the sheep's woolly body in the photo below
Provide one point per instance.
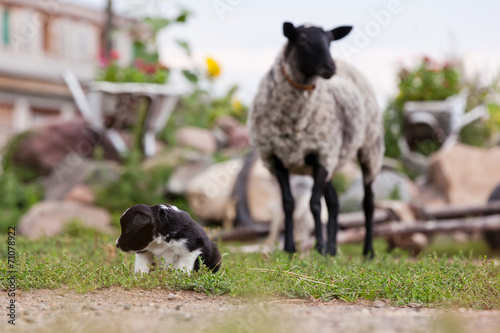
(334, 121)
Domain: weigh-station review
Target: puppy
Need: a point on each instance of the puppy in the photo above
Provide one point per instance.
(164, 231)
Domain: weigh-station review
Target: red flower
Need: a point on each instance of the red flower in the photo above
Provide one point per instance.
(426, 59)
(114, 55)
(138, 63)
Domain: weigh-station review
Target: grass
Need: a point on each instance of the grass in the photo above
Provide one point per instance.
(87, 261)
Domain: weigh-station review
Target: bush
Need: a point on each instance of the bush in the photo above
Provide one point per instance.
(427, 81)
(16, 197)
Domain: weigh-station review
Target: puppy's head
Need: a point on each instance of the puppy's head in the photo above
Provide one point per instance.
(138, 225)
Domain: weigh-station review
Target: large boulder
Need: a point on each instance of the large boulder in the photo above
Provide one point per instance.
(60, 145)
(48, 218)
(389, 185)
(197, 138)
(466, 174)
(185, 172)
(210, 191)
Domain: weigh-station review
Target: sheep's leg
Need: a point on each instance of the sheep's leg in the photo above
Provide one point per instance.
(318, 190)
(283, 177)
(368, 207)
(332, 202)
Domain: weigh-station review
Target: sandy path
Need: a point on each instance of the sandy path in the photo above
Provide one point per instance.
(118, 310)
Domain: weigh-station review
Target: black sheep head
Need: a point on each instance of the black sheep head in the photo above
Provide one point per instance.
(308, 49)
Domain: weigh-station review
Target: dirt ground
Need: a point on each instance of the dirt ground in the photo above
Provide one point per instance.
(118, 310)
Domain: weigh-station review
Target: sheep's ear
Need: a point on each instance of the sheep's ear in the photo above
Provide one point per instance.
(289, 30)
(340, 32)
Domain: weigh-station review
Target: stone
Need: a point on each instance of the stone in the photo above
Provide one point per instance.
(59, 146)
(184, 173)
(239, 137)
(209, 192)
(416, 242)
(172, 297)
(81, 193)
(48, 218)
(466, 174)
(389, 185)
(351, 171)
(263, 193)
(197, 138)
(236, 134)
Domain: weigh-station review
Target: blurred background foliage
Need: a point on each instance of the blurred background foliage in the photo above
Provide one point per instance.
(430, 80)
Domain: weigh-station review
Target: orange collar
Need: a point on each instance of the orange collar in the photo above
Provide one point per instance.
(306, 87)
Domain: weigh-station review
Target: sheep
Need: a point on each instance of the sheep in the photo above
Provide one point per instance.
(312, 115)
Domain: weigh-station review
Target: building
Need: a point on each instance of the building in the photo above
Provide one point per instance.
(38, 41)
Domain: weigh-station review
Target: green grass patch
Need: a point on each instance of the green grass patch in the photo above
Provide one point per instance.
(87, 261)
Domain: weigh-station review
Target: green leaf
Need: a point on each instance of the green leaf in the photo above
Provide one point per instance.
(183, 16)
(184, 45)
(192, 77)
(157, 23)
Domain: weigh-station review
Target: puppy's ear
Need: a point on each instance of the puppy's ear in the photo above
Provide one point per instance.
(144, 221)
(161, 220)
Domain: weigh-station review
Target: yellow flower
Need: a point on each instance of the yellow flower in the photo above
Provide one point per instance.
(237, 106)
(213, 68)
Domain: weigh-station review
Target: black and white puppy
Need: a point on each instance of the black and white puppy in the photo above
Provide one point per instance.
(164, 231)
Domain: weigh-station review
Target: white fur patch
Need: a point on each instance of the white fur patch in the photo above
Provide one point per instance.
(175, 209)
(143, 261)
(173, 252)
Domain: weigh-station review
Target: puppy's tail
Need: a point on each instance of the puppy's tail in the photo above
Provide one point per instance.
(216, 258)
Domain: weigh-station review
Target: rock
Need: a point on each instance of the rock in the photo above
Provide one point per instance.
(177, 183)
(239, 137)
(49, 218)
(351, 171)
(429, 194)
(197, 138)
(81, 193)
(172, 297)
(389, 185)
(58, 184)
(466, 174)
(46, 149)
(236, 134)
(209, 192)
(227, 123)
(263, 192)
(168, 159)
(415, 242)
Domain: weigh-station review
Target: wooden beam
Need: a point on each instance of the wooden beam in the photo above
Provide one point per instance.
(458, 211)
(484, 223)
